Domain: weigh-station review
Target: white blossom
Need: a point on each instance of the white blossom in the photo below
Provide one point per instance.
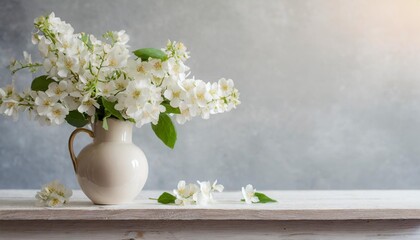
(106, 89)
(173, 94)
(122, 37)
(139, 70)
(53, 194)
(150, 113)
(50, 65)
(44, 103)
(117, 57)
(9, 107)
(67, 65)
(176, 69)
(157, 68)
(120, 84)
(192, 194)
(177, 50)
(185, 192)
(57, 114)
(58, 89)
(248, 193)
(88, 105)
(202, 93)
(137, 92)
(185, 114)
(205, 195)
(44, 46)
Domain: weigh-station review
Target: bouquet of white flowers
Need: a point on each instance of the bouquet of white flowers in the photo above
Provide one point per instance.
(88, 80)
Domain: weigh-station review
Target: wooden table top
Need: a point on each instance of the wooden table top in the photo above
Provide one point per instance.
(291, 205)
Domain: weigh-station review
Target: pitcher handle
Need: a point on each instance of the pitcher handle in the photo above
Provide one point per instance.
(71, 139)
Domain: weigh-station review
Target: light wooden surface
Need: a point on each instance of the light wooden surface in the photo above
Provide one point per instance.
(214, 229)
(299, 215)
(291, 205)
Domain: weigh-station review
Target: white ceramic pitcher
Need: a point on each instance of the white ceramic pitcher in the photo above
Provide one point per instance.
(110, 170)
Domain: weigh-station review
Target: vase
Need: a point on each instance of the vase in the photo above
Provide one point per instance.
(111, 169)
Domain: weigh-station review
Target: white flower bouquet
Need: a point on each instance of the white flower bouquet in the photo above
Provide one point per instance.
(88, 80)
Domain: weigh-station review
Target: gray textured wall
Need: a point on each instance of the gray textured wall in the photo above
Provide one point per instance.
(330, 92)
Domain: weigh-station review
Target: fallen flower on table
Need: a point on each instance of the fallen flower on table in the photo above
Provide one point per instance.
(183, 195)
(185, 192)
(249, 194)
(205, 195)
(53, 194)
(252, 196)
(191, 194)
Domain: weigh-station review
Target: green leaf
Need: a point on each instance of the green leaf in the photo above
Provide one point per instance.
(166, 198)
(110, 107)
(105, 123)
(146, 53)
(41, 83)
(264, 198)
(76, 119)
(165, 130)
(105, 120)
(170, 109)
